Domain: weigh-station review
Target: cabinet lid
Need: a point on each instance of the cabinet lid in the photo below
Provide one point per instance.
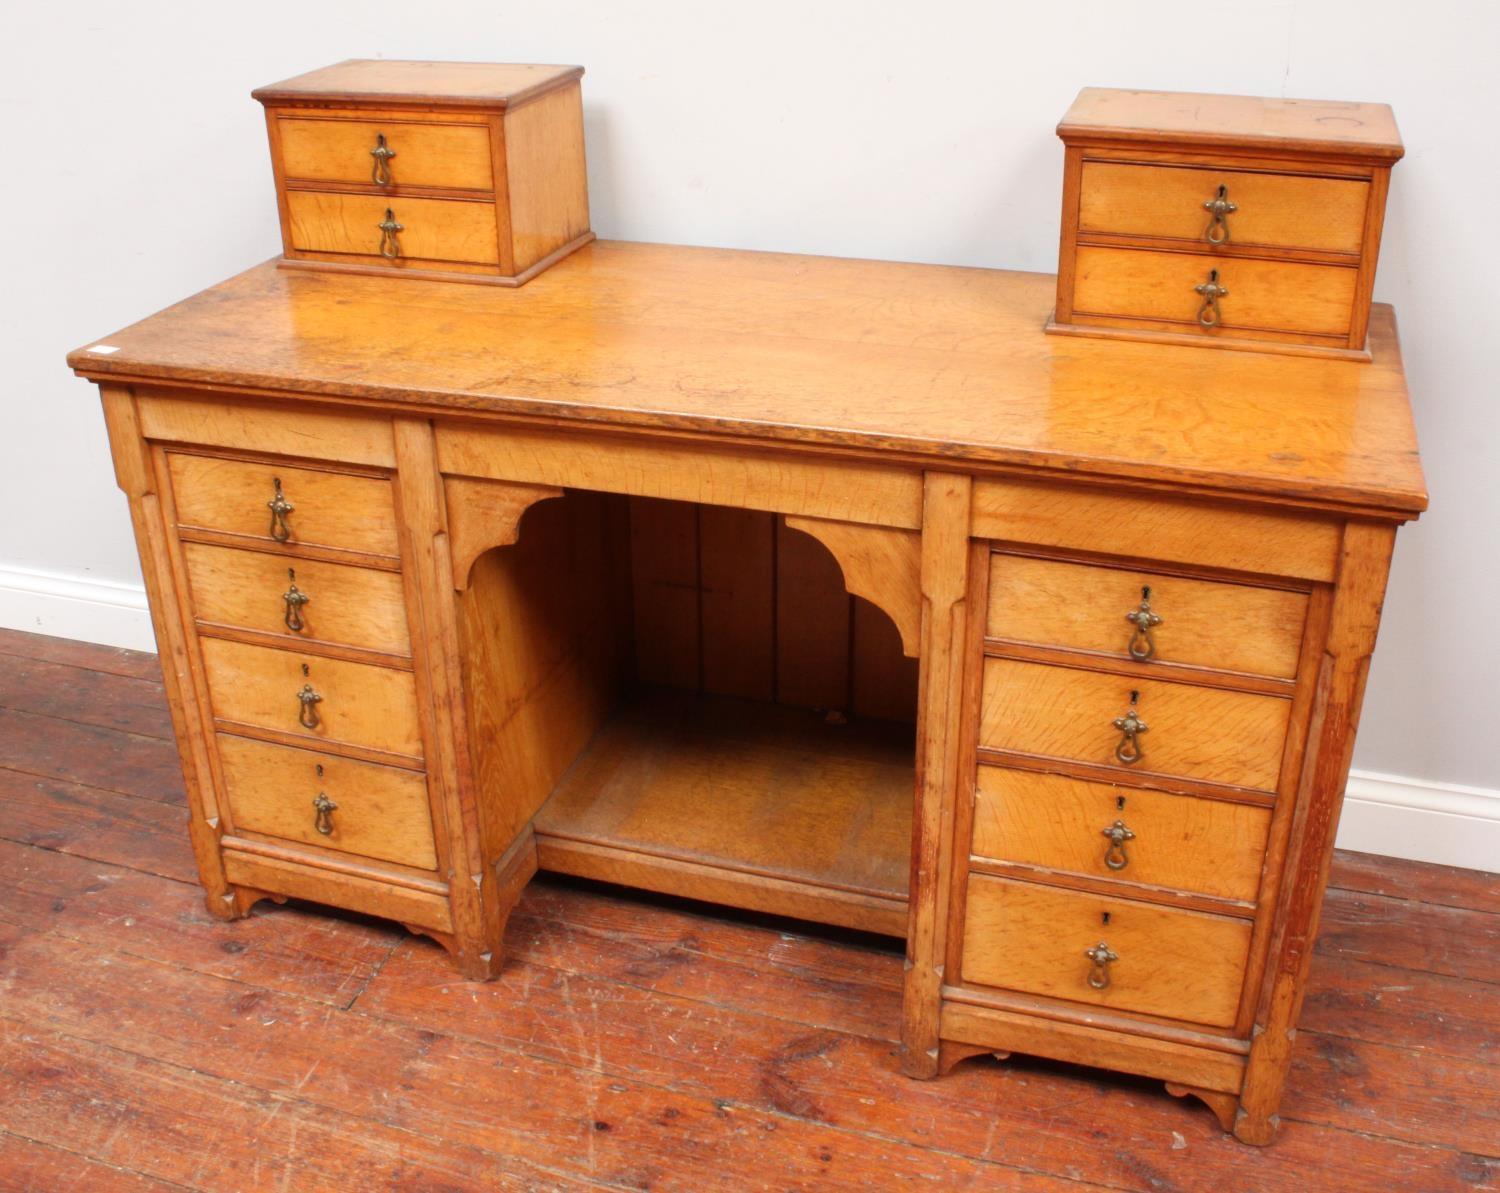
(1311, 126)
(492, 85)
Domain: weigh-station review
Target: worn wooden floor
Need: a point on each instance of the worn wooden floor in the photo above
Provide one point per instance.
(628, 1044)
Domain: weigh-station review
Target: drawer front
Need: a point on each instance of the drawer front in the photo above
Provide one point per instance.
(1284, 296)
(1271, 210)
(360, 704)
(328, 509)
(371, 810)
(1203, 846)
(431, 229)
(1185, 530)
(1184, 965)
(446, 155)
(1203, 623)
(1193, 732)
(298, 599)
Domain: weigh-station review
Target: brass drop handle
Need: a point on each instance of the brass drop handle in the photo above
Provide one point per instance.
(1101, 956)
(307, 712)
(1141, 645)
(1131, 727)
(325, 809)
(1212, 291)
(1219, 208)
(295, 598)
(1115, 856)
(390, 247)
(381, 173)
(280, 507)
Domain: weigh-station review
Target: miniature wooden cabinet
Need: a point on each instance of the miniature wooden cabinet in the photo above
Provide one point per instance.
(931, 636)
(1222, 220)
(469, 171)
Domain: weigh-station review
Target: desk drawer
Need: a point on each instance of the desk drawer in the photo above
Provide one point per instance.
(1203, 623)
(298, 599)
(1131, 835)
(354, 703)
(1271, 210)
(327, 509)
(450, 230)
(314, 149)
(1194, 732)
(371, 810)
(1281, 296)
(1184, 965)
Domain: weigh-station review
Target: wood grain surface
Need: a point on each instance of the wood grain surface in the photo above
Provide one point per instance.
(791, 796)
(1231, 627)
(1297, 125)
(382, 811)
(1273, 210)
(862, 357)
(431, 229)
(1209, 846)
(1177, 964)
(791, 484)
(546, 174)
(537, 696)
(362, 705)
(330, 509)
(345, 605)
(460, 84)
(1197, 732)
(1170, 528)
(1287, 296)
(426, 153)
(199, 418)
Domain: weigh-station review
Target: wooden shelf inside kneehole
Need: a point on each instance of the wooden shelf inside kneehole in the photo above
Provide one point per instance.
(749, 804)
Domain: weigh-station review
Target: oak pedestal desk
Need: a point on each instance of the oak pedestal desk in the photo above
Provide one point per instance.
(834, 589)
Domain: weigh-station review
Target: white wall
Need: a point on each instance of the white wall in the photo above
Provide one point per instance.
(136, 173)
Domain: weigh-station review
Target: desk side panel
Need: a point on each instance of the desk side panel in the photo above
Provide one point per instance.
(181, 668)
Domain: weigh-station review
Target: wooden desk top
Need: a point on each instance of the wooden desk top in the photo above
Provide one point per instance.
(926, 364)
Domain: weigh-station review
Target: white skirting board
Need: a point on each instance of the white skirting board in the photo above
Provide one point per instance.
(1394, 815)
(108, 612)
(1422, 820)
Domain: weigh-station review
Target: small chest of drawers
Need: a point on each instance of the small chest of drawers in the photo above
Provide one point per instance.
(1138, 726)
(294, 581)
(465, 170)
(1239, 222)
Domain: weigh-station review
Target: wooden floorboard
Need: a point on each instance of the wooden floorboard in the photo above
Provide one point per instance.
(110, 660)
(1417, 882)
(130, 763)
(27, 1166)
(89, 822)
(631, 1042)
(74, 693)
(1385, 930)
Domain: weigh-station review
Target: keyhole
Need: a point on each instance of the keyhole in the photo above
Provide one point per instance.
(1105, 917)
(291, 574)
(320, 770)
(1119, 803)
(308, 671)
(1146, 592)
(1134, 695)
